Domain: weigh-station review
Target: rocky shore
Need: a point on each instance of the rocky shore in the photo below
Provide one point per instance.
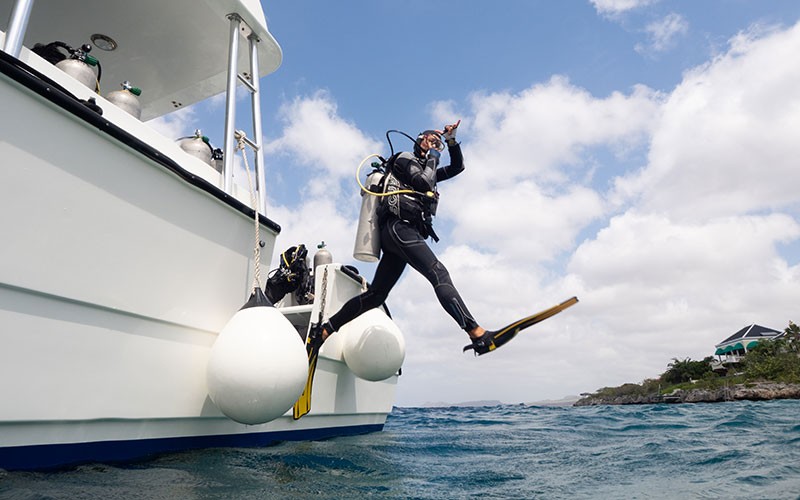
(751, 391)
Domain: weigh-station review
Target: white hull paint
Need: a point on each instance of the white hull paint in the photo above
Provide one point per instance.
(116, 276)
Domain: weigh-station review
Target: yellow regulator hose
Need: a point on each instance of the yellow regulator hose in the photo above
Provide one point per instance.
(429, 194)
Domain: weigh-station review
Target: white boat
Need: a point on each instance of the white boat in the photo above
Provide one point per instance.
(124, 256)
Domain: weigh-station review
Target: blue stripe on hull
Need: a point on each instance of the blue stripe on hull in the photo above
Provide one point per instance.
(49, 456)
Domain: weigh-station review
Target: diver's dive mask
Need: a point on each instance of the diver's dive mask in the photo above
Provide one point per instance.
(435, 143)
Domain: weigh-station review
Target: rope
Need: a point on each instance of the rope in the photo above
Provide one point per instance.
(324, 295)
(240, 138)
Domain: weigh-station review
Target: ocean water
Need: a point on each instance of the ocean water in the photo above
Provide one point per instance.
(737, 450)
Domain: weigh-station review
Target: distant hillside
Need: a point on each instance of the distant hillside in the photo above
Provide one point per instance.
(565, 401)
(770, 370)
(441, 404)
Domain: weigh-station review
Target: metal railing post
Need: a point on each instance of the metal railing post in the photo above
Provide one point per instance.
(255, 100)
(230, 104)
(17, 24)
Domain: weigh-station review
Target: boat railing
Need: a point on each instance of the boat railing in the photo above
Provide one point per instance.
(12, 44)
(17, 24)
(251, 83)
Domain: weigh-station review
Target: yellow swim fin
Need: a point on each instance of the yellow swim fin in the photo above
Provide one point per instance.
(491, 340)
(313, 344)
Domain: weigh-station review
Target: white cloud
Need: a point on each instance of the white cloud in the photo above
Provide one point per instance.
(180, 123)
(525, 159)
(310, 223)
(317, 137)
(520, 220)
(674, 258)
(614, 7)
(726, 142)
(692, 257)
(697, 261)
(662, 33)
(543, 130)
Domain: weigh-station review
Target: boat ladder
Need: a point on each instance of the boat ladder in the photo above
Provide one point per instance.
(250, 81)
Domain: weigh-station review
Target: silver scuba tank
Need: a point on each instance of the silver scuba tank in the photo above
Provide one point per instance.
(368, 238)
(79, 70)
(80, 67)
(322, 257)
(127, 99)
(198, 146)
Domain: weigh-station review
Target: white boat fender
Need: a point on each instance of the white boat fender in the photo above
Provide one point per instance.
(127, 99)
(373, 346)
(258, 365)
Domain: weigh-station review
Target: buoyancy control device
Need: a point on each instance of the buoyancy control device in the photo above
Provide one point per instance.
(292, 275)
(381, 182)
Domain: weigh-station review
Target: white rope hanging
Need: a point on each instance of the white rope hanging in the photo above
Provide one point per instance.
(241, 143)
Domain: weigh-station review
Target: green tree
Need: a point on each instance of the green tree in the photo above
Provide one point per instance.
(792, 337)
(680, 371)
(776, 360)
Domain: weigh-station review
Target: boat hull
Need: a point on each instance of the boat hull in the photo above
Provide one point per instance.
(58, 455)
(118, 270)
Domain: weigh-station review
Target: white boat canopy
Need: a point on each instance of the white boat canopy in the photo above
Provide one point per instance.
(176, 51)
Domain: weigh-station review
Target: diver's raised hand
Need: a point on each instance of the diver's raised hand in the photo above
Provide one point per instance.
(449, 134)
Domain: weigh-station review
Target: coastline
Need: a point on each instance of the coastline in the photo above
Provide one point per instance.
(754, 391)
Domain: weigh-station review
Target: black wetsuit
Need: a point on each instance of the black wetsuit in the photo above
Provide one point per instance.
(403, 242)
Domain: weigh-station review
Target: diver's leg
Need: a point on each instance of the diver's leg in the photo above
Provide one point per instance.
(418, 254)
(389, 270)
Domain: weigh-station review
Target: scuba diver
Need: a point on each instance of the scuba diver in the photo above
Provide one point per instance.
(405, 222)
(405, 215)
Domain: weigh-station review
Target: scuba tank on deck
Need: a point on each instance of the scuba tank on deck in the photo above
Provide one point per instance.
(127, 99)
(322, 257)
(80, 65)
(200, 147)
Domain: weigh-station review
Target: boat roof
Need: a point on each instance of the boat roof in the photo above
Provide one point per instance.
(176, 51)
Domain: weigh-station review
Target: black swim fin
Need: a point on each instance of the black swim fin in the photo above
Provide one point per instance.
(491, 340)
(313, 344)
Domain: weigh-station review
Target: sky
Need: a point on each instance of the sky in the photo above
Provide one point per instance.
(638, 154)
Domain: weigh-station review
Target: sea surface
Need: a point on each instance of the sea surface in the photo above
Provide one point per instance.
(736, 450)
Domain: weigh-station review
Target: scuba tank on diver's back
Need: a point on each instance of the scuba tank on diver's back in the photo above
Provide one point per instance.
(368, 240)
(382, 183)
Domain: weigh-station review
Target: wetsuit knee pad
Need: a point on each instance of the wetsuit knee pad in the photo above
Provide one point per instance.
(373, 298)
(357, 306)
(440, 273)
